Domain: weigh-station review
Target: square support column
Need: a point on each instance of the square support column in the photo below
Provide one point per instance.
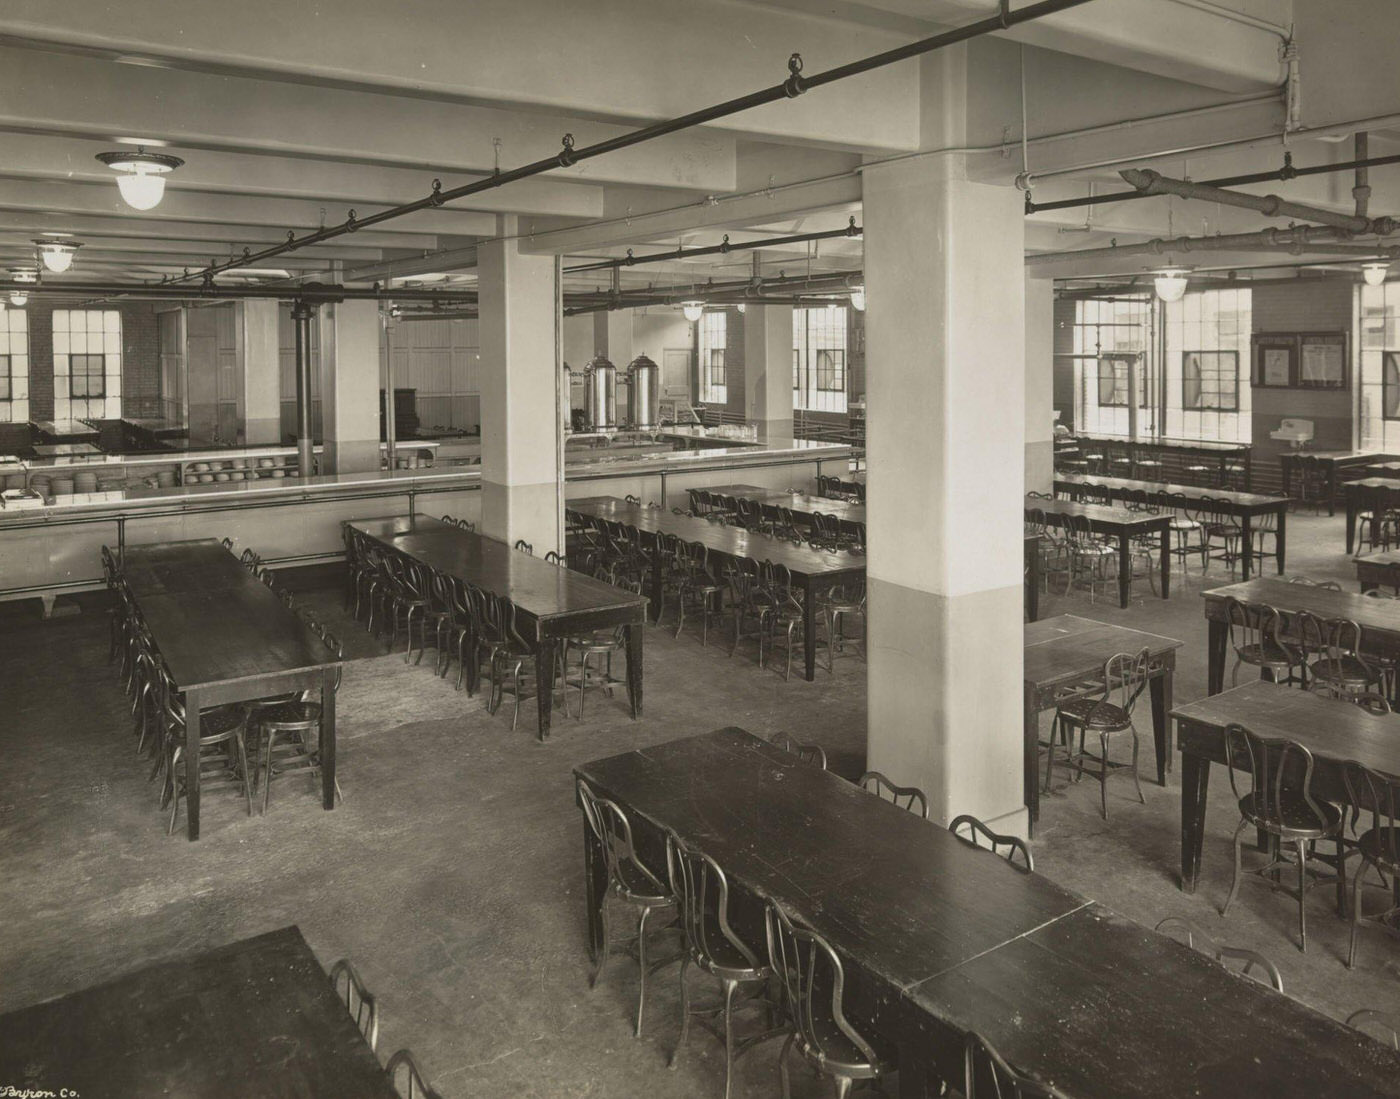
(349, 386)
(521, 431)
(768, 369)
(945, 394)
(1040, 384)
(612, 336)
(262, 373)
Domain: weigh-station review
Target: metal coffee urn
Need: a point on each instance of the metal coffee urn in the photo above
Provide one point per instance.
(643, 394)
(600, 386)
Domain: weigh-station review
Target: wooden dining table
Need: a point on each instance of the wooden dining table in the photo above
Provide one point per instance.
(1333, 730)
(1065, 651)
(938, 938)
(1374, 494)
(552, 603)
(1379, 619)
(802, 504)
(1120, 524)
(255, 1017)
(812, 570)
(226, 637)
(1033, 576)
(1376, 570)
(1248, 507)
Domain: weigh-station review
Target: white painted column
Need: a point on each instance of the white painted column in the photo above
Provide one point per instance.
(768, 369)
(945, 394)
(612, 336)
(262, 375)
(522, 489)
(349, 386)
(1040, 384)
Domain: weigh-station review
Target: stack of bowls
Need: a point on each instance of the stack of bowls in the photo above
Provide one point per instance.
(166, 478)
(41, 484)
(85, 481)
(62, 486)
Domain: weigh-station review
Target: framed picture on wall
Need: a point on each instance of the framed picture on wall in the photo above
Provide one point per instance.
(1322, 360)
(1275, 359)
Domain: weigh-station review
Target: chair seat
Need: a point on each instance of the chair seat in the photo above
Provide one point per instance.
(633, 886)
(1105, 715)
(1266, 655)
(1377, 844)
(838, 1053)
(724, 958)
(1180, 523)
(1299, 821)
(220, 720)
(1346, 672)
(290, 713)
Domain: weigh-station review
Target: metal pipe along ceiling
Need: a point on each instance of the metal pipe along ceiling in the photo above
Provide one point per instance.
(1299, 239)
(790, 88)
(851, 231)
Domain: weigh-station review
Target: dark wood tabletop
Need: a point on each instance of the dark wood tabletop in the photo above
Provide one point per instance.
(1099, 515)
(801, 504)
(1119, 523)
(1095, 1004)
(1377, 569)
(256, 1017)
(169, 568)
(1253, 501)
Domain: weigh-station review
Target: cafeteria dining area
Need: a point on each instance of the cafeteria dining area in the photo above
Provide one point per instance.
(511, 581)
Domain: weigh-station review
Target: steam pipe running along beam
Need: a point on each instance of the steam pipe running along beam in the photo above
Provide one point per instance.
(1283, 174)
(728, 299)
(1297, 240)
(723, 248)
(687, 291)
(1154, 183)
(311, 292)
(790, 88)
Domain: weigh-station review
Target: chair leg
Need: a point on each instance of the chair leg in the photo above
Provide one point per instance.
(1050, 756)
(1235, 881)
(641, 969)
(243, 770)
(1103, 775)
(1136, 780)
(729, 987)
(685, 1013)
(269, 740)
(782, 1067)
(1302, 881)
(1355, 912)
(604, 946)
(843, 1086)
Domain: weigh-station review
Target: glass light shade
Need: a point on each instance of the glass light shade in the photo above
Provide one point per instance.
(1170, 284)
(741, 307)
(141, 188)
(57, 257)
(1375, 273)
(693, 310)
(858, 299)
(18, 298)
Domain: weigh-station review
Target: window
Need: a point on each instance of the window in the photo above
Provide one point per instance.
(87, 364)
(14, 366)
(86, 375)
(714, 338)
(1210, 379)
(819, 376)
(1391, 385)
(1113, 382)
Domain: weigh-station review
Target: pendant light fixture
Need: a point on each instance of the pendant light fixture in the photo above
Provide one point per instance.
(1375, 273)
(57, 252)
(22, 274)
(1170, 283)
(858, 299)
(693, 310)
(141, 175)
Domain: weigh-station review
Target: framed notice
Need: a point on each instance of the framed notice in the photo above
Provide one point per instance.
(1322, 360)
(1275, 359)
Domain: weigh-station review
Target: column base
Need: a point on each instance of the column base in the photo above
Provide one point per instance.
(530, 512)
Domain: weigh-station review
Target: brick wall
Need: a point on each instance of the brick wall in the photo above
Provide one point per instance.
(140, 358)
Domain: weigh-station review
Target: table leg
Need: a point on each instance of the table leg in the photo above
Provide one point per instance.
(1246, 546)
(1033, 584)
(1332, 492)
(1031, 750)
(545, 654)
(192, 763)
(1287, 476)
(1125, 568)
(595, 884)
(1161, 688)
(1164, 565)
(1217, 636)
(1351, 521)
(633, 634)
(1249, 469)
(658, 592)
(471, 654)
(916, 1081)
(809, 631)
(1195, 779)
(327, 739)
(1280, 537)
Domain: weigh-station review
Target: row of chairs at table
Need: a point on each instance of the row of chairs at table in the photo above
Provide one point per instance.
(401, 1068)
(763, 603)
(833, 488)
(822, 531)
(1132, 461)
(273, 736)
(397, 594)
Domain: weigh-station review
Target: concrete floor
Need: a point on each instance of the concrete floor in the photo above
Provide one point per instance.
(451, 874)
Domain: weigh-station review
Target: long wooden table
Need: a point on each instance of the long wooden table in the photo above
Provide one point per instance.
(226, 637)
(1377, 570)
(1179, 451)
(1331, 462)
(1376, 494)
(552, 602)
(1379, 619)
(1116, 523)
(801, 504)
(938, 938)
(1065, 650)
(256, 1017)
(1333, 730)
(811, 569)
(1245, 506)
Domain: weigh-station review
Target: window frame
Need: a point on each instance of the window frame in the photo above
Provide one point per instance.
(7, 378)
(1220, 355)
(712, 360)
(1389, 360)
(1124, 359)
(87, 375)
(807, 369)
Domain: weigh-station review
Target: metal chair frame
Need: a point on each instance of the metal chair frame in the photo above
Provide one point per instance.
(1199, 941)
(402, 1062)
(1377, 794)
(359, 1001)
(807, 753)
(1256, 635)
(981, 1062)
(975, 831)
(1369, 1020)
(915, 800)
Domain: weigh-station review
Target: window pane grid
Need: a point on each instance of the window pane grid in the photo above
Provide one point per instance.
(819, 359)
(714, 333)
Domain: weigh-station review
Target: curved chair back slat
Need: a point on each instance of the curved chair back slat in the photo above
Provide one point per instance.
(1201, 942)
(880, 785)
(1012, 848)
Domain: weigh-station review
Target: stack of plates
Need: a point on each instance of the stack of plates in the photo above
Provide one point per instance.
(240, 463)
(85, 481)
(62, 486)
(266, 463)
(41, 484)
(199, 467)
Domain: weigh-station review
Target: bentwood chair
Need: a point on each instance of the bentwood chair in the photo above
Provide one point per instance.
(807, 753)
(1104, 712)
(813, 981)
(713, 946)
(1091, 560)
(1256, 635)
(749, 601)
(296, 723)
(595, 652)
(986, 1075)
(697, 588)
(1188, 532)
(1383, 1026)
(524, 546)
(1263, 533)
(971, 830)
(512, 659)
(1223, 532)
(223, 753)
(785, 617)
(838, 605)
(1377, 795)
(359, 1001)
(407, 1078)
(1280, 804)
(1199, 941)
(1332, 648)
(913, 798)
(630, 881)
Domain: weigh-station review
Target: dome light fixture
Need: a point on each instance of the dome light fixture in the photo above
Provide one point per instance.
(1170, 283)
(22, 274)
(741, 307)
(57, 252)
(1375, 272)
(693, 310)
(858, 299)
(141, 175)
